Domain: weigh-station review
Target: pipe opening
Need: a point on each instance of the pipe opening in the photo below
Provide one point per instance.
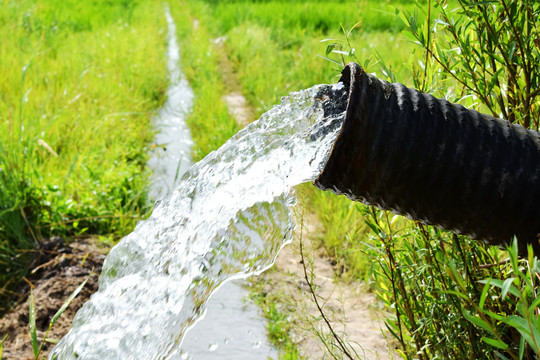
(435, 162)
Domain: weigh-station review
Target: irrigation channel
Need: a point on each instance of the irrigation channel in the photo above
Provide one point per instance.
(227, 218)
(233, 327)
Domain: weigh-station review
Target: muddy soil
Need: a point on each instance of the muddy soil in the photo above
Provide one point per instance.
(57, 271)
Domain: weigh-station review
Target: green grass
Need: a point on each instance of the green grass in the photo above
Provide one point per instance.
(321, 16)
(279, 322)
(79, 82)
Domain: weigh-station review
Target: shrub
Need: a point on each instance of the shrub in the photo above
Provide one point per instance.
(453, 297)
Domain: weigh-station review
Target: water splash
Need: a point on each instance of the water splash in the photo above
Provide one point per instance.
(228, 218)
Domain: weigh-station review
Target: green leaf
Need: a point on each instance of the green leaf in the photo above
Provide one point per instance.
(391, 329)
(341, 52)
(534, 305)
(328, 49)
(456, 276)
(405, 19)
(511, 51)
(513, 252)
(507, 285)
(331, 60)
(372, 226)
(69, 300)
(500, 356)
(517, 322)
(326, 40)
(452, 292)
(521, 347)
(496, 343)
(477, 321)
(522, 325)
(499, 283)
(493, 80)
(366, 62)
(32, 324)
(494, 315)
(484, 294)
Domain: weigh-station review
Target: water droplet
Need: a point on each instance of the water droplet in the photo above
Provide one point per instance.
(213, 346)
(227, 340)
(256, 345)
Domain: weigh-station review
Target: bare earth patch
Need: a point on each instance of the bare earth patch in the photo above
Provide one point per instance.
(58, 271)
(238, 108)
(354, 313)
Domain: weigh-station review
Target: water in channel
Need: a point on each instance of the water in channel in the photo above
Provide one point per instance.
(227, 218)
(170, 156)
(233, 327)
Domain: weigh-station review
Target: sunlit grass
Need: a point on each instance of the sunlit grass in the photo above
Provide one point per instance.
(321, 16)
(79, 82)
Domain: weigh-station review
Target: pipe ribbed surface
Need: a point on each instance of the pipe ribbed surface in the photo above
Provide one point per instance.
(437, 162)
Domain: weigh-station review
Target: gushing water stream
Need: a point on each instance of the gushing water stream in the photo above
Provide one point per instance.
(233, 327)
(227, 218)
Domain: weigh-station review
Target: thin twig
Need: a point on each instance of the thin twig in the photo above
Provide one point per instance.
(489, 266)
(428, 44)
(319, 308)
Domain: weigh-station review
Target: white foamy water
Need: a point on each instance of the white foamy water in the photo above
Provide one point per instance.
(229, 314)
(227, 218)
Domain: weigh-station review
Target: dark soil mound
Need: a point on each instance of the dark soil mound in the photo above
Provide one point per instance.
(57, 272)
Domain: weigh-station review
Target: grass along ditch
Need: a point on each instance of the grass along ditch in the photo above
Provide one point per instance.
(79, 83)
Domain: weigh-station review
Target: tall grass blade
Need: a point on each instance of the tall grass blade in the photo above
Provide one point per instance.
(496, 343)
(2, 345)
(69, 300)
(32, 324)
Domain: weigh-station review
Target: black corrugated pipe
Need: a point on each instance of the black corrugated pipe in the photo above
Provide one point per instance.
(436, 162)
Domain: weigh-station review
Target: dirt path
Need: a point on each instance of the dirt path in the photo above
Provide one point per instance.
(354, 313)
(58, 271)
(236, 102)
